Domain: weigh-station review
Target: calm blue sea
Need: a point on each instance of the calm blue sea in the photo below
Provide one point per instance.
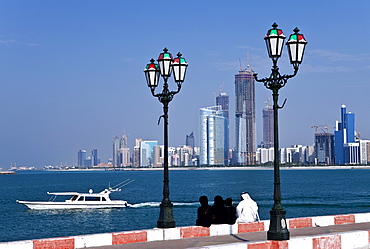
(305, 193)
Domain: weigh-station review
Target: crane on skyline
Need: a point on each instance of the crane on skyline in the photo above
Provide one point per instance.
(324, 128)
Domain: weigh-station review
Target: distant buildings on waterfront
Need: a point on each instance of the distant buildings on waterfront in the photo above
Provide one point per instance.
(87, 161)
(343, 147)
(14, 167)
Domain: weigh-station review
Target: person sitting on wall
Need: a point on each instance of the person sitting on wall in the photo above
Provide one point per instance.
(230, 214)
(204, 213)
(247, 209)
(218, 210)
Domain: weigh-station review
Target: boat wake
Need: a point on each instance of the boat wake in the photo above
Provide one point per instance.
(156, 204)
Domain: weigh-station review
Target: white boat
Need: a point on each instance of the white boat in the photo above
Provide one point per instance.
(80, 200)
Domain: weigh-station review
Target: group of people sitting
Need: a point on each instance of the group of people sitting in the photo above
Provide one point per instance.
(223, 212)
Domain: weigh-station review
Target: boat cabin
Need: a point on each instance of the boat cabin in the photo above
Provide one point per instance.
(88, 198)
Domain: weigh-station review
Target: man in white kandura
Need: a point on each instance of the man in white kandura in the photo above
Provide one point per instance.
(247, 209)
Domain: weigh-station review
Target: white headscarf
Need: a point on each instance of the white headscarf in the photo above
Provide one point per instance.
(247, 209)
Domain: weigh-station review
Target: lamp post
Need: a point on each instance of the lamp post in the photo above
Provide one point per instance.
(166, 64)
(296, 46)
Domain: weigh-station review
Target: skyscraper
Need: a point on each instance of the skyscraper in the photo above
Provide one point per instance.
(121, 152)
(213, 136)
(324, 148)
(123, 143)
(116, 152)
(245, 116)
(94, 157)
(81, 157)
(158, 155)
(223, 100)
(124, 152)
(136, 153)
(347, 150)
(268, 125)
(365, 151)
(190, 140)
(147, 153)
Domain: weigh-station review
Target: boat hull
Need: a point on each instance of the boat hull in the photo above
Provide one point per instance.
(74, 205)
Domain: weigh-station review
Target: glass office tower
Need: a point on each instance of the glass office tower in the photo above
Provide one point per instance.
(214, 136)
(346, 149)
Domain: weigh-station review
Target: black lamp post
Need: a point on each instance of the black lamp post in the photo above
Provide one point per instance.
(296, 45)
(166, 64)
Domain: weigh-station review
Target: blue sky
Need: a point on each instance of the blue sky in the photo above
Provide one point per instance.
(71, 72)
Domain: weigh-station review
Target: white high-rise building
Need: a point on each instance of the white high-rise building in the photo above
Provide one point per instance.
(297, 154)
(214, 136)
(147, 153)
(364, 151)
(264, 155)
(241, 138)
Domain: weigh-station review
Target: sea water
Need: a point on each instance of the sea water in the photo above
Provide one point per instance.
(305, 193)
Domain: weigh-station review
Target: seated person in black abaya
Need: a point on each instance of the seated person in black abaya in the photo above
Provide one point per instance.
(218, 210)
(204, 213)
(230, 214)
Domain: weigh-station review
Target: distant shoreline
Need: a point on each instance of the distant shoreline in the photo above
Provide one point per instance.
(219, 168)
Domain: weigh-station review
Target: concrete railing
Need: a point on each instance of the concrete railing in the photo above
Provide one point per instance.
(347, 240)
(156, 234)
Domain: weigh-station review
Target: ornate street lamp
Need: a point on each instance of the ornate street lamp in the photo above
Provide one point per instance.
(296, 46)
(166, 64)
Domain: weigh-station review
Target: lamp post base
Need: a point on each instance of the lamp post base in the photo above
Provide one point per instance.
(166, 219)
(278, 226)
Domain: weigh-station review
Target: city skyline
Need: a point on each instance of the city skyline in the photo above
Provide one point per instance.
(71, 73)
(349, 148)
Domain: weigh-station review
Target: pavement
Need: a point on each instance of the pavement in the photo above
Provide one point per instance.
(241, 237)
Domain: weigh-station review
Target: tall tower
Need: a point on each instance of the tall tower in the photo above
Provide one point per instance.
(116, 161)
(124, 141)
(124, 152)
(136, 153)
(81, 157)
(147, 153)
(190, 140)
(324, 148)
(223, 100)
(245, 116)
(94, 157)
(346, 149)
(268, 125)
(214, 137)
